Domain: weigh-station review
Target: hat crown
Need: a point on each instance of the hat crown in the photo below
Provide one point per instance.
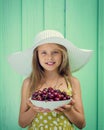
(48, 34)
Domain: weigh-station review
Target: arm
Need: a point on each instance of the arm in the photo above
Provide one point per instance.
(27, 110)
(26, 114)
(74, 111)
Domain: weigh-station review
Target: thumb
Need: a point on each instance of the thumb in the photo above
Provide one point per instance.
(28, 102)
(72, 102)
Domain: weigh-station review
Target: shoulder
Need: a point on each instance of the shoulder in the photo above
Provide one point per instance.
(75, 81)
(25, 84)
(26, 81)
(75, 86)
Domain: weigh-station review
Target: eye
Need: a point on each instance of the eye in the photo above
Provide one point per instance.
(43, 53)
(55, 52)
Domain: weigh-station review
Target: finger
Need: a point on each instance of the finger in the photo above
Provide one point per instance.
(56, 110)
(67, 107)
(72, 102)
(60, 109)
(28, 103)
(64, 108)
(47, 110)
(40, 109)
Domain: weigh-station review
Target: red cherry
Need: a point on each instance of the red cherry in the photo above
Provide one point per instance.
(50, 94)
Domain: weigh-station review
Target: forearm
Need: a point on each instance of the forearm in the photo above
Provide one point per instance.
(26, 118)
(76, 117)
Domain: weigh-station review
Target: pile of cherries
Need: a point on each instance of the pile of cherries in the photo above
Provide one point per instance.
(50, 94)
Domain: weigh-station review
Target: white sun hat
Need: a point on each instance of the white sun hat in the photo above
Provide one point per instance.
(22, 61)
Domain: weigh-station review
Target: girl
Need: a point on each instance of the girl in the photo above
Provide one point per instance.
(52, 67)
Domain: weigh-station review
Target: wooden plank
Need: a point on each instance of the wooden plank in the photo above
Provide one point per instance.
(100, 65)
(10, 42)
(54, 15)
(32, 21)
(81, 29)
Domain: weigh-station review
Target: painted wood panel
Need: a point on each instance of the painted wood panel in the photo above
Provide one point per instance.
(83, 32)
(100, 65)
(80, 21)
(10, 41)
(54, 15)
(32, 21)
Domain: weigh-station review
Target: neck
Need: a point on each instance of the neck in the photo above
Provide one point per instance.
(51, 75)
(52, 79)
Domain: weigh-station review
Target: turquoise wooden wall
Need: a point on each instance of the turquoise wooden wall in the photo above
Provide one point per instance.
(81, 21)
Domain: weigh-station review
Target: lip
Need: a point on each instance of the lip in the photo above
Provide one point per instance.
(50, 63)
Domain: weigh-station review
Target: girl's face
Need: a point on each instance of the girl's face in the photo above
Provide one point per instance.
(50, 56)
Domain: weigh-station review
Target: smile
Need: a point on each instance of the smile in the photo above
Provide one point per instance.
(50, 63)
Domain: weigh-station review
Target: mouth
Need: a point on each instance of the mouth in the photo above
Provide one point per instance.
(50, 63)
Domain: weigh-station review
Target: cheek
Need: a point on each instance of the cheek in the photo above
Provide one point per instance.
(40, 58)
(59, 59)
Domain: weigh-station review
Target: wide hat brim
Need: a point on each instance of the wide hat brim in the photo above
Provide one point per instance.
(22, 61)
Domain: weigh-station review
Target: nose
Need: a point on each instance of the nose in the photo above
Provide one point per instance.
(50, 56)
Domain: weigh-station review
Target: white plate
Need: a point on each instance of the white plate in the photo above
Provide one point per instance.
(50, 104)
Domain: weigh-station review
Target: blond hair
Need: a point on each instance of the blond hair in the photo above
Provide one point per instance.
(38, 71)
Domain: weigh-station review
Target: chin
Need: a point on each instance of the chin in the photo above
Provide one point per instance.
(50, 69)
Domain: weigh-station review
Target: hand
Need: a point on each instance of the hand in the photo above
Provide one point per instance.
(65, 108)
(37, 109)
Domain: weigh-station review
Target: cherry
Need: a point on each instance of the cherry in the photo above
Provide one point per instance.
(50, 94)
